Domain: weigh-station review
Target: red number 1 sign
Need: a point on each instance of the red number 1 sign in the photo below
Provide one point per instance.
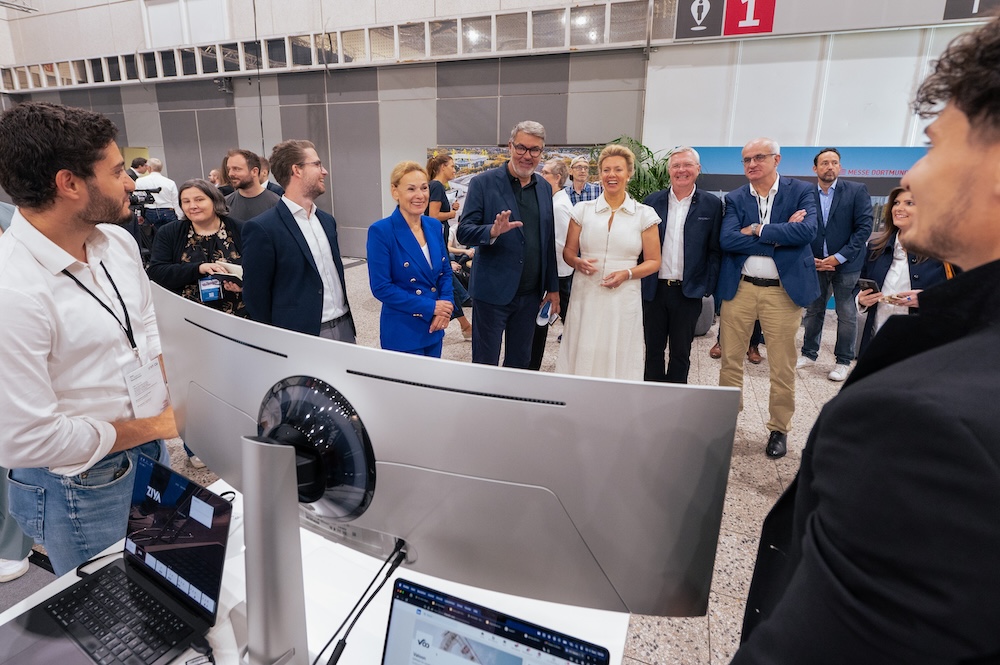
(745, 17)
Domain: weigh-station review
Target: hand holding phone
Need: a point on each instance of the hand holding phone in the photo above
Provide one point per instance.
(864, 284)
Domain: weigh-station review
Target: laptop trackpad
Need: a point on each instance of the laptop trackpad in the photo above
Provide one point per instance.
(34, 638)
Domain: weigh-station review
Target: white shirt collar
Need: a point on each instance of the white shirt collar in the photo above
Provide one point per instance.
(49, 255)
(628, 205)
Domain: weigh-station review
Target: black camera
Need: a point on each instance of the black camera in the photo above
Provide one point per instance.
(142, 197)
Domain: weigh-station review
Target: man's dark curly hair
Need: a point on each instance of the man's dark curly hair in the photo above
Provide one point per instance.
(968, 76)
(38, 139)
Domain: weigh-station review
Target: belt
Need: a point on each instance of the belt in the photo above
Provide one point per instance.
(333, 322)
(672, 282)
(761, 281)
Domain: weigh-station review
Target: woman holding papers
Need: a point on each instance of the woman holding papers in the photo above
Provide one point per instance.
(199, 255)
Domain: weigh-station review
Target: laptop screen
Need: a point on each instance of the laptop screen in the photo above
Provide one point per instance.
(177, 533)
(428, 626)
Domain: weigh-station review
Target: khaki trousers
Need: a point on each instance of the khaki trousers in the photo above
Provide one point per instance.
(779, 321)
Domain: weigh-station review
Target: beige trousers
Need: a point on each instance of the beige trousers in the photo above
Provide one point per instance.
(779, 321)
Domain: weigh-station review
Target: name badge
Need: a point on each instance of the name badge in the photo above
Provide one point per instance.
(210, 289)
(147, 390)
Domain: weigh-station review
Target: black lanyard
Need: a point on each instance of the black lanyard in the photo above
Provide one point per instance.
(127, 327)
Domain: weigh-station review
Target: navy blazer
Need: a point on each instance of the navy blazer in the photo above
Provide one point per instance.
(281, 283)
(702, 252)
(402, 280)
(496, 271)
(788, 244)
(923, 275)
(849, 226)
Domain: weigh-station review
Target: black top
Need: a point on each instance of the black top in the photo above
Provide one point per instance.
(178, 252)
(527, 204)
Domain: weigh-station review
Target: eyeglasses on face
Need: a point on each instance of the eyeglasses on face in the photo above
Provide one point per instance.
(318, 164)
(520, 149)
(757, 159)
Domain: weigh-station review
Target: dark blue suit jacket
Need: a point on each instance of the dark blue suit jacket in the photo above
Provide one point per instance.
(849, 226)
(496, 270)
(405, 284)
(702, 252)
(281, 283)
(923, 275)
(788, 244)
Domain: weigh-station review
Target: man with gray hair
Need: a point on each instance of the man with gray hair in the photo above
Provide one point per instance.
(578, 188)
(689, 267)
(165, 206)
(508, 219)
(767, 274)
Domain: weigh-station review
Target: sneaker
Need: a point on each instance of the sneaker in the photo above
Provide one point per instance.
(839, 373)
(11, 570)
(196, 462)
(805, 361)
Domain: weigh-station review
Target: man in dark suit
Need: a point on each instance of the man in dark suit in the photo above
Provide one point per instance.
(508, 218)
(293, 276)
(884, 549)
(844, 211)
(689, 268)
(137, 168)
(767, 274)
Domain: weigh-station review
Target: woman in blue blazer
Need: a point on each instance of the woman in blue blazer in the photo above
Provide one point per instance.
(899, 275)
(409, 269)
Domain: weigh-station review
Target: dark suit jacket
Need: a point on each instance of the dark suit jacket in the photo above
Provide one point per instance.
(884, 549)
(923, 275)
(405, 284)
(496, 271)
(788, 244)
(702, 253)
(281, 284)
(849, 226)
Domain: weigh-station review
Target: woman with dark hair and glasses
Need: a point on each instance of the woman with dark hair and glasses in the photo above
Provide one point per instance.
(199, 256)
(899, 275)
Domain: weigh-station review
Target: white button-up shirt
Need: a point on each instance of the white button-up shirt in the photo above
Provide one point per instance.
(62, 356)
(672, 254)
(763, 266)
(167, 197)
(334, 303)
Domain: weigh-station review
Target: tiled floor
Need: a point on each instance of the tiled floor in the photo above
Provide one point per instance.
(755, 482)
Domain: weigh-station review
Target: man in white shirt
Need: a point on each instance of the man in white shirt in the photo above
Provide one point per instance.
(165, 206)
(293, 275)
(689, 267)
(79, 343)
(767, 274)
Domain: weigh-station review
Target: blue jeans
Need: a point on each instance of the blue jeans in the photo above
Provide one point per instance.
(842, 285)
(77, 517)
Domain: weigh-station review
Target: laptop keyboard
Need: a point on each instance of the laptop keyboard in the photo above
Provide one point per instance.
(116, 621)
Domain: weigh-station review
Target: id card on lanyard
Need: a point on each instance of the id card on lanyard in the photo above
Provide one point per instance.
(146, 388)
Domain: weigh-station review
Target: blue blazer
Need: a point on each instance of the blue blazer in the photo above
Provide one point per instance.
(702, 252)
(496, 271)
(788, 244)
(923, 275)
(849, 226)
(403, 281)
(281, 283)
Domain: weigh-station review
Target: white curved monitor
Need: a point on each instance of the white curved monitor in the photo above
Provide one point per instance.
(597, 493)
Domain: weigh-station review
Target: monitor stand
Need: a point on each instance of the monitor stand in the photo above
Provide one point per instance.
(270, 627)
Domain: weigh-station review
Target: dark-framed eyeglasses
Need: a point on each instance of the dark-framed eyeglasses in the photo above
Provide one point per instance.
(520, 149)
(757, 159)
(318, 163)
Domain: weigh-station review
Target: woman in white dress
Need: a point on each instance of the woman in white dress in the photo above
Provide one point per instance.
(603, 331)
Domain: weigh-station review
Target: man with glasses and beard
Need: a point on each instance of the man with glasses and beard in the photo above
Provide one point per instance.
(293, 274)
(508, 218)
(79, 337)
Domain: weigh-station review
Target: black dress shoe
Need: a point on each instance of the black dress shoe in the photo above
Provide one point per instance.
(776, 445)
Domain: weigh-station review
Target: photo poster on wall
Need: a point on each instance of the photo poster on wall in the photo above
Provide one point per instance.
(879, 168)
(470, 161)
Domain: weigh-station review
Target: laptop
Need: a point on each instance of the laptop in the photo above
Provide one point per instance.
(432, 626)
(175, 551)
